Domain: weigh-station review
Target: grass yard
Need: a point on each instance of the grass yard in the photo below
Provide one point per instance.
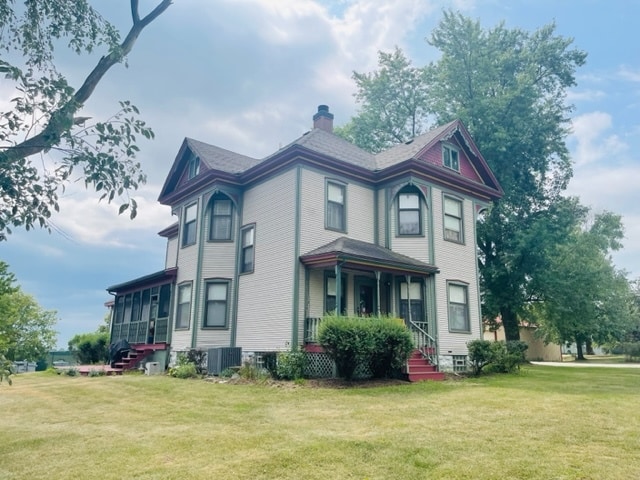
(544, 423)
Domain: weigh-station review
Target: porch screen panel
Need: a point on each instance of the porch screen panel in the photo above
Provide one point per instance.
(127, 309)
(146, 298)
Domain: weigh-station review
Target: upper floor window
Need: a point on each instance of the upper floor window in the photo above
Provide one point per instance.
(194, 166)
(189, 224)
(409, 213)
(458, 308)
(453, 219)
(335, 207)
(248, 249)
(183, 311)
(217, 304)
(450, 158)
(221, 220)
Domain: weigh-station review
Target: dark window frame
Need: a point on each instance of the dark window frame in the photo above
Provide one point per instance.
(179, 324)
(247, 249)
(193, 167)
(413, 192)
(189, 227)
(330, 305)
(205, 320)
(465, 307)
(213, 216)
(331, 206)
(448, 215)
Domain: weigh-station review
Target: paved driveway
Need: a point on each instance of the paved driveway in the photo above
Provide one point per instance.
(588, 364)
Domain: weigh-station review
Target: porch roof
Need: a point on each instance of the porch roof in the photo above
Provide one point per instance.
(148, 280)
(365, 256)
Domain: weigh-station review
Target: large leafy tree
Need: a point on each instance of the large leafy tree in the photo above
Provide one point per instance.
(508, 87)
(44, 116)
(26, 329)
(394, 104)
(585, 297)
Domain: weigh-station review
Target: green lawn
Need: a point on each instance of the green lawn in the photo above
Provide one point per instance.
(545, 423)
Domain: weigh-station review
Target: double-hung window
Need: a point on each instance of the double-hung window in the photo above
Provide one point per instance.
(183, 312)
(221, 219)
(458, 308)
(335, 207)
(409, 213)
(189, 224)
(216, 306)
(450, 158)
(194, 167)
(248, 249)
(453, 219)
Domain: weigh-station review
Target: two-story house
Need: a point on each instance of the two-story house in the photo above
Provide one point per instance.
(264, 247)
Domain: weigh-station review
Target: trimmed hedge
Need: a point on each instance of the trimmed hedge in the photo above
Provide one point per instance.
(384, 344)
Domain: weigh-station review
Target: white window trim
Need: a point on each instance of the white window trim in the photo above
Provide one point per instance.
(195, 225)
(343, 186)
(244, 247)
(450, 148)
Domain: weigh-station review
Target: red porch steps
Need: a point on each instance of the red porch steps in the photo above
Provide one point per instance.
(419, 368)
(136, 355)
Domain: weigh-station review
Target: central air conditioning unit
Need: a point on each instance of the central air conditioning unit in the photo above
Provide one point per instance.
(221, 358)
(153, 368)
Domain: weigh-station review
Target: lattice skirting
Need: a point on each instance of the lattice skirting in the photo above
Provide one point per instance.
(319, 365)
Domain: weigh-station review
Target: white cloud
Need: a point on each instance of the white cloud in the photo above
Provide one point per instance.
(85, 220)
(627, 73)
(587, 95)
(592, 142)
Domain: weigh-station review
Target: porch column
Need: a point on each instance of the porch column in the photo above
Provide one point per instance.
(378, 290)
(338, 289)
(409, 298)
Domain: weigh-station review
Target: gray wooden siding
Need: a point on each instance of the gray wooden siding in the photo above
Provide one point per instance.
(265, 296)
(359, 211)
(456, 262)
(187, 263)
(416, 247)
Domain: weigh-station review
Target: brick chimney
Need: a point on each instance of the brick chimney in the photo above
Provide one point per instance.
(323, 119)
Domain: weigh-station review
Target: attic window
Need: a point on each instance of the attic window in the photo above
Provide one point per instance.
(450, 158)
(194, 166)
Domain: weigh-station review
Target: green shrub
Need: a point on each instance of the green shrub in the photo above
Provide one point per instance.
(185, 370)
(97, 372)
(90, 348)
(391, 346)
(270, 362)
(6, 369)
(382, 344)
(227, 373)
(500, 357)
(631, 351)
(291, 365)
(72, 372)
(346, 342)
(479, 354)
(199, 360)
(250, 371)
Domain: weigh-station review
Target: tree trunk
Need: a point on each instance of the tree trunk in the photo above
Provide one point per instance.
(510, 324)
(590, 346)
(579, 352)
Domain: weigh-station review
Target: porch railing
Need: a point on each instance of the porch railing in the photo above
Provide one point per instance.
(311, 325)
(424, 342)
(137, 332)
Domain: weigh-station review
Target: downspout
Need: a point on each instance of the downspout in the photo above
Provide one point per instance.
(378, 291)
(197, 281)
(408, 277)
(295, 316)
(338, 271)
(234, 317)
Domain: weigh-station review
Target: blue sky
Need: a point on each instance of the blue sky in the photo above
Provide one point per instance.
(247, 75)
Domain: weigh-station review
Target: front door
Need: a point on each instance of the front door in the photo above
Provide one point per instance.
(365, 296)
